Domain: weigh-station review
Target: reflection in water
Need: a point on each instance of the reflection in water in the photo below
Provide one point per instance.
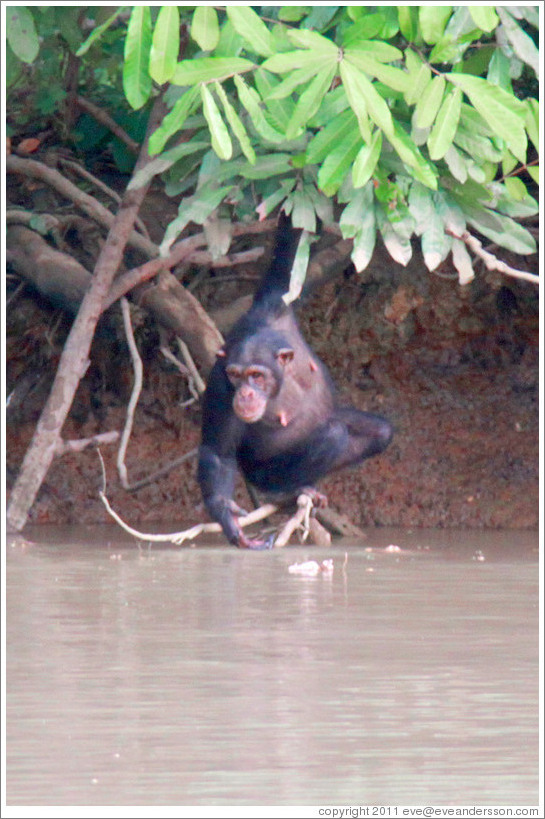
(213, 676)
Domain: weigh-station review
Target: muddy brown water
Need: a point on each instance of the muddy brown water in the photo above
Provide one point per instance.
(214, 676)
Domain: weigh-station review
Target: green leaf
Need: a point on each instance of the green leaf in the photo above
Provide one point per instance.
(376, 50)
(165, 44)
(205, 28)
(505, 204)
(310, 100)
(501, 110)
(321, 46)
(300, 263)
(366, 160)
(236, 124)
(136, 79)
(523, 45)
(334, 104)
(420, 206)
(394, 77)
(230, 42)
(270, 202)
(477, 146)
(484, 17)
(290, 60)
(21, 33)
(399, 247)
(420, 80)
(290, 83)
(206, 69)
(407, 22)
(462, 262)
(499, 71)
(429, 103)
(533, 170)
(98, 32)
(365, 28)
(280, 109)
(442, 133)
(337, 164)
(516, 188)
(267, 165)
(196, 208)
(165, 161)
(433, 20)
(174, 120)
(357, 222)
(531, 121)
(329, 137)
(292, 14)
(433, 241)
(502, 230)
(412, 157)
(303, 215)
(250, 99)
(450, 212)
(252, 29)
(364, 98)
(221, 141)
(456, 164)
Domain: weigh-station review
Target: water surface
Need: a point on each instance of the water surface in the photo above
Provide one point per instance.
(213, 676)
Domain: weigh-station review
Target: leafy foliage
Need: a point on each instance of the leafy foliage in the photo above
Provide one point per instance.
(416, 120)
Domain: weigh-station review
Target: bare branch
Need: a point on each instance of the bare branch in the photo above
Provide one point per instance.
(135, 394)
(188, 534)
(52, 177)
(105, 119)
(79, 444)
(491, 261)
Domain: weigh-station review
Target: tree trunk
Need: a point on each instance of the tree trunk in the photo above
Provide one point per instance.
(74, 359)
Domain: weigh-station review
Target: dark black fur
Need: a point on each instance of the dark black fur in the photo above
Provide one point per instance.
(303, 434)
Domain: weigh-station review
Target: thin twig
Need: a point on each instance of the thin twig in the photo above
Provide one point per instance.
(163, 471)
(105, 119)
(98, 183)
(196, 383)
(491, 262)
(79, 444)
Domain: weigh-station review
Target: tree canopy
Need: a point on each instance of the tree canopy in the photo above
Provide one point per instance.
(398, 120)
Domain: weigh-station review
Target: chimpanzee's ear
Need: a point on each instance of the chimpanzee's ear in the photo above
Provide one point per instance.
(285, 355)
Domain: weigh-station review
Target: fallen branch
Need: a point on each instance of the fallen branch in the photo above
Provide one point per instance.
(188, 534)
(88, 204)
(302, 516)
(300, 519)
(491, 261)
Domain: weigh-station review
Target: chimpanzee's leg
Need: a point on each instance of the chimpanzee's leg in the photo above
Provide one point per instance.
(367, 434)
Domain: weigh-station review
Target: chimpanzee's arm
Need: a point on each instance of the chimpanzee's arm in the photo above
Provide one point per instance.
(217, 471)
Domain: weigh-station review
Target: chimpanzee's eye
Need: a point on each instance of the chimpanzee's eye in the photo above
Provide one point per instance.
(257, 377)
(233, 374)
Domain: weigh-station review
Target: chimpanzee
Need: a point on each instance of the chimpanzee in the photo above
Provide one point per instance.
(269, 407)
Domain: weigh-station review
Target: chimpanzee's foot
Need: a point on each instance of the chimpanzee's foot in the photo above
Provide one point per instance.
(257, 545)
(318, 499)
